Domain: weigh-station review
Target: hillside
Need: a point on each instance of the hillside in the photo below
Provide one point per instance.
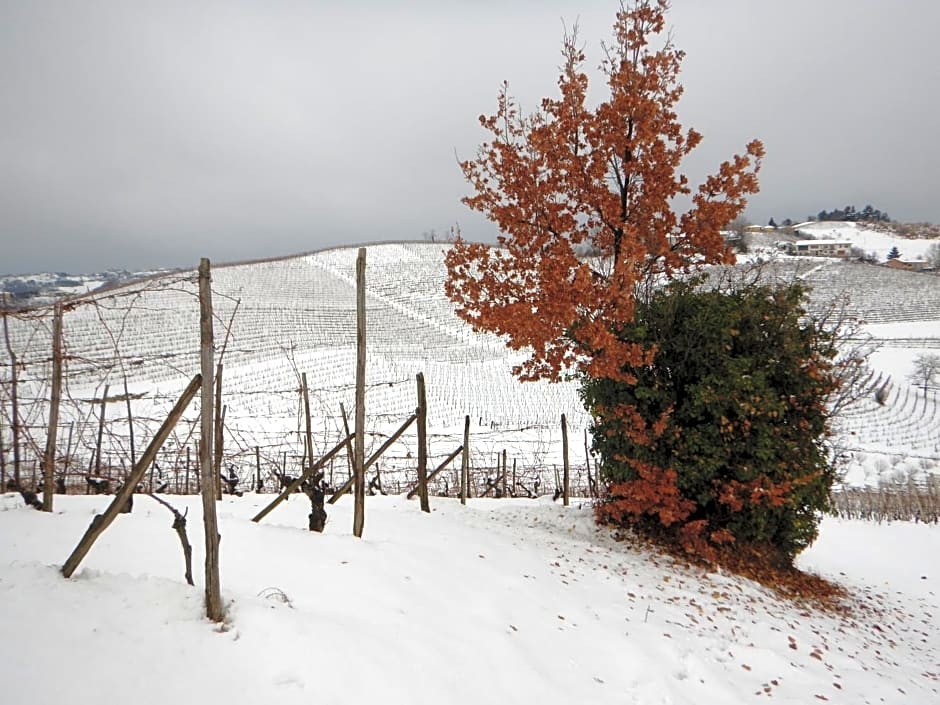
(296, 315)
(515, 601)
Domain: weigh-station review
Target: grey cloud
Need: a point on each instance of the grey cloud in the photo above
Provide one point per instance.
(153, 133)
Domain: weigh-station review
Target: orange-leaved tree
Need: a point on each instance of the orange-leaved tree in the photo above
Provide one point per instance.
(583, 194)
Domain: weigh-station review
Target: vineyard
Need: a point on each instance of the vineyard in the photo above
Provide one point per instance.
(129, 351)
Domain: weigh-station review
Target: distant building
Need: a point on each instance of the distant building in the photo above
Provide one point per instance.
(819, 248)
(910, 265)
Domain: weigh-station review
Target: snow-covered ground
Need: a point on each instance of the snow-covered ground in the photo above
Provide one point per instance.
(510, 601)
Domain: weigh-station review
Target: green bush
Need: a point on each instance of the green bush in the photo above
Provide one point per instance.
(720, 440)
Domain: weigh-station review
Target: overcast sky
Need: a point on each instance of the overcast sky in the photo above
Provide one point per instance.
(144, 134)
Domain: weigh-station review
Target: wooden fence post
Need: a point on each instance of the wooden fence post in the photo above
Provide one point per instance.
(309, 432)
(257, 470)
(101, 415)
(214, 607)
(350, 452)
(218, 420)
(14, 405)
(130, 422)
(504, 474)
(359, 515)
(465, 462)
(566, 486)
(3, 457)
(102, 521)
(49, 475)
(423, 445)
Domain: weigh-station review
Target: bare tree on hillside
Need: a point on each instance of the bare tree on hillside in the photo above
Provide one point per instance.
(926, 371)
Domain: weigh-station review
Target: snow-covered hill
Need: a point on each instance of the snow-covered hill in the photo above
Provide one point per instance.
(516, 601)
(295, 315)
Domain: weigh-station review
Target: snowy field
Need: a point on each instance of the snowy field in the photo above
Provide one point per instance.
(516, 601)
(295, 315)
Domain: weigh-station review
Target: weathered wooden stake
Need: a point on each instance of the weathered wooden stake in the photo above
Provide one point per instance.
(434, 473)
(3, 457)
(14, 404)
(257, 469)
(286, 492)
(130, 422)
(350, 452)
(359, 512)
(375, 456)
(214, 607)
(423, 445)
(218, 419)
(101, 415)
(566, 480)
(309, 444)
(48, 489)
(68, 449)
(103, 521)
(465, 462)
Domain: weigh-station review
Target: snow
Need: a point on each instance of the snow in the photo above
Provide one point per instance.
(509, 601)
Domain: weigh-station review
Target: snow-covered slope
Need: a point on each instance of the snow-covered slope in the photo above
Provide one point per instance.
(498, 602)
(294, 316)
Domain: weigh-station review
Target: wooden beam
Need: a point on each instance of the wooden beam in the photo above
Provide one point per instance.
(103, 521)
(375, 456)
(300, 480)
(437, 470)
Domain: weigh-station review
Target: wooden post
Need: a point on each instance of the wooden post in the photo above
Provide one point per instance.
(48, 488)
(303, 387)
(257, 470)
(285, 493)
(103, 521)
(14, 405)
(359, 515)
(434, 473)
(465, 462)
(349, 451)
(130, 422)
(3, 457)
(587, 463)
(566, 480)
(219, 420)
(375, 456)
(214, 608)
(423, 445)
(188, 466)
(504, 474)
(101, 414)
